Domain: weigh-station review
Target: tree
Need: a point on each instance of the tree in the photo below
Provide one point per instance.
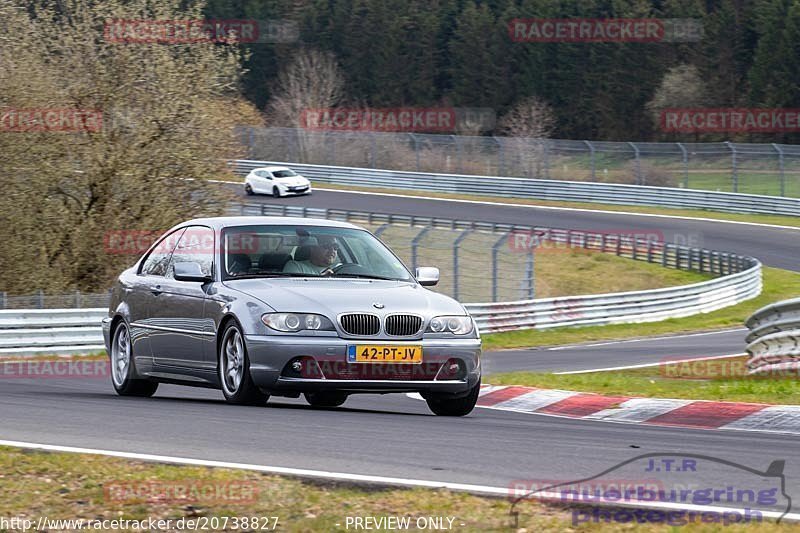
(168, 113)
(529, 123)
(682, 86)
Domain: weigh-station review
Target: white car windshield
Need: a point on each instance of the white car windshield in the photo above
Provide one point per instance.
(284, 173)
(307, 251)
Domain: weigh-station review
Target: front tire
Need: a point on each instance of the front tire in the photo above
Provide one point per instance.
(325, 399)
(234, 370)
(248, 190)
(123, 368)
(276, 192)
(444, 406)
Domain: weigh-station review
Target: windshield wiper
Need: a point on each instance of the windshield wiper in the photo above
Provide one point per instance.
(269, 274)
(367, 276)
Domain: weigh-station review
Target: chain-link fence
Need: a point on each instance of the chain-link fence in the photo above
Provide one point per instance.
(770, 169)
(40, 300)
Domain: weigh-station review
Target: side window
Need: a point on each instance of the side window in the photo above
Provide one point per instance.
(157, 262)
(195, 245)
(263, 174)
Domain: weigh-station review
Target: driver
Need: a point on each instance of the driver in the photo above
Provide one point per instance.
(322, 256)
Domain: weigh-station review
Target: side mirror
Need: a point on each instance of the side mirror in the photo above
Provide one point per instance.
(190, 271)
(427, 276)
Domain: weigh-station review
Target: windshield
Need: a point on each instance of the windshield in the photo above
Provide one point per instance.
(307, 251)
(284, 173)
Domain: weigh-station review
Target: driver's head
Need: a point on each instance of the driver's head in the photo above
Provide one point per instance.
(324, 253)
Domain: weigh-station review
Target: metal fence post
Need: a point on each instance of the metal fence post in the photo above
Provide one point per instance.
(372, 147)
(456, 248)
(3, 300)
(459, 155)
(416, 150)
(734, 166)
(77, 298)
(685, 165)
(501, 163)
(530, 274)
(780, 167)
(592, 160)
(495, 249)
(415, 245)
(639, 180)
(41, 299)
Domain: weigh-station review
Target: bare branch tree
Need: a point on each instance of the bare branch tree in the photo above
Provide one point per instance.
(529, 123)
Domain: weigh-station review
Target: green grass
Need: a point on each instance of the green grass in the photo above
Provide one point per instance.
(68, 486)
(720, 379)
(778, 285)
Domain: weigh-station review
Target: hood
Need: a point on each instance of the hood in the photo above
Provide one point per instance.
(292, 180)
(332, 297)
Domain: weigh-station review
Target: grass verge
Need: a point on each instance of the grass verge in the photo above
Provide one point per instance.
(778, 285)
(717, 379)
(67, 486)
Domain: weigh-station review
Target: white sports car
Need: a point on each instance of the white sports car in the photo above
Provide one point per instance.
(277, 181)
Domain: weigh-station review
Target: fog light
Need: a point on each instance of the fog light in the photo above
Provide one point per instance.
(297, 366)
(452, 368)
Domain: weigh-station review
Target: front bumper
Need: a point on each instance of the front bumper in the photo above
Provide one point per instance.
(269, 356)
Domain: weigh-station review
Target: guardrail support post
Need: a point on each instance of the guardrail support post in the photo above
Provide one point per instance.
(780, 167)
(592, 160)
(685, 165)
(415, 245)
(495, 249)
(456, 248)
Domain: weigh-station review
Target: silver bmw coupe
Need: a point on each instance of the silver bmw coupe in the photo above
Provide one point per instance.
(268, 306)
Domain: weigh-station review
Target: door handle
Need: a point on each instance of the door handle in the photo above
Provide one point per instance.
(157, 290)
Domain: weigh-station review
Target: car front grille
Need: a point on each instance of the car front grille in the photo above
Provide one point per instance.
(402, 325)
(360, 324)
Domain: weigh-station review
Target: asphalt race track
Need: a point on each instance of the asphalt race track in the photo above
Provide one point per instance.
(396, 435)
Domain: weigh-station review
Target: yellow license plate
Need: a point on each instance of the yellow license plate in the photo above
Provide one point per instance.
(381, 353)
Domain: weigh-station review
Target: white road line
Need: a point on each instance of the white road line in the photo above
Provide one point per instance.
(645, 339)
(544, 207)
(646, 365)
(381, 480)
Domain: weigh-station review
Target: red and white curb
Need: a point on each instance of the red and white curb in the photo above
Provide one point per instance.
(647, 411)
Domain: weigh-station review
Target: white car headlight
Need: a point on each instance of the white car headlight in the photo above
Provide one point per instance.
(292, 322)
(457, 325)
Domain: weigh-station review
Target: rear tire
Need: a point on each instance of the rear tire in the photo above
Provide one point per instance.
(325, 399)
(123, 367)
(234, 370)
(276, 193)
(444, 406)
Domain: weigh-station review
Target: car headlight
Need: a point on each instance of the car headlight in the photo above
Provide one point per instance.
(457, 325)
(291, 322)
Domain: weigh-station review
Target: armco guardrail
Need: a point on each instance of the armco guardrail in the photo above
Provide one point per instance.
(774, 338)
(52, 331)
(557, 190)
(78, 330)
